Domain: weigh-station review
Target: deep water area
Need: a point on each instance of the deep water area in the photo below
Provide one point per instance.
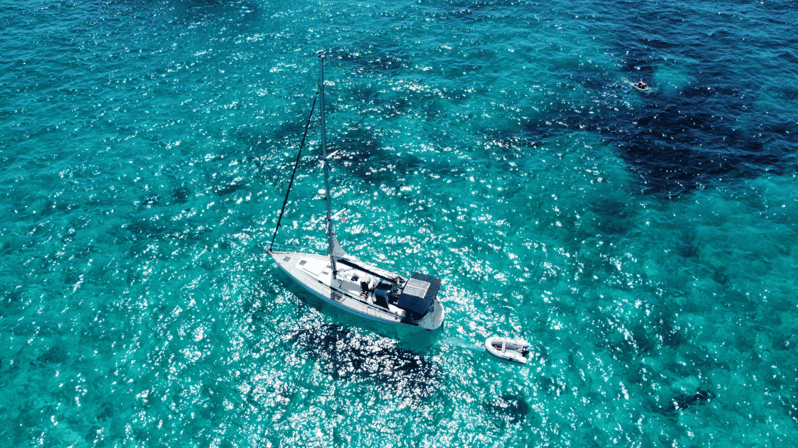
(644, 240)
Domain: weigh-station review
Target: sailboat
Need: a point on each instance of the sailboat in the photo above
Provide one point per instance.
(348, 283)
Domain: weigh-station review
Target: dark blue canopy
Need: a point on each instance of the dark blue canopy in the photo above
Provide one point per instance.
(419, 293)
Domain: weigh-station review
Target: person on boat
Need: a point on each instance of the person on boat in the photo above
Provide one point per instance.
(641, 85)
(364, 286)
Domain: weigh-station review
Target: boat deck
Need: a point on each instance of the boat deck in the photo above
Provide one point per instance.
(313, 272)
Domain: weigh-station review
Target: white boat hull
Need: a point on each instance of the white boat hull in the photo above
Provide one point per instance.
(312, 272)
(507, 349)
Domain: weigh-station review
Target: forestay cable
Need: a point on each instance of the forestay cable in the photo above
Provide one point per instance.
(291, 182)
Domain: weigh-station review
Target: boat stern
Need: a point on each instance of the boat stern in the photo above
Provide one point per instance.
(434, 318)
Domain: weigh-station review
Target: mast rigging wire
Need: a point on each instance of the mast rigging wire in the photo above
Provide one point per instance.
(296, 164)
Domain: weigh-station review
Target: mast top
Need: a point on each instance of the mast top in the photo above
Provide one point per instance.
(331, 240)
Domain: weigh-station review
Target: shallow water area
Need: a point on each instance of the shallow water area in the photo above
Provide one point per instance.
(645, 243)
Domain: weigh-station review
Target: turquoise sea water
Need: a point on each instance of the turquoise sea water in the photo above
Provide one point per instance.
(645, 242)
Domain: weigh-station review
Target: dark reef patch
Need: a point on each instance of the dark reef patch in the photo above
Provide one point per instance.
(710, 129)
(253, 138)
(180, 195)
(150, 200)
(228, 188)
(360, 152)
(370, 60)
(677, 142)
(681, 402)
(56, 354)
(666, 329)
(145, 229)
(551, 385)
(355, 147)
(509, 408)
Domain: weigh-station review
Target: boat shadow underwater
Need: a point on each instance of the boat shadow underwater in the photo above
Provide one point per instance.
(348, 355)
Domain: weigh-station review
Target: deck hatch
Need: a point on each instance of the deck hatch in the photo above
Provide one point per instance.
(313, 267)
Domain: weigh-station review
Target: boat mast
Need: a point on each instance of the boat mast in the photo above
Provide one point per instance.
(330, 230)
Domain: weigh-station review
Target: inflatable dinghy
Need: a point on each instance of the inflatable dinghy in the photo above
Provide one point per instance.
(514, 350)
